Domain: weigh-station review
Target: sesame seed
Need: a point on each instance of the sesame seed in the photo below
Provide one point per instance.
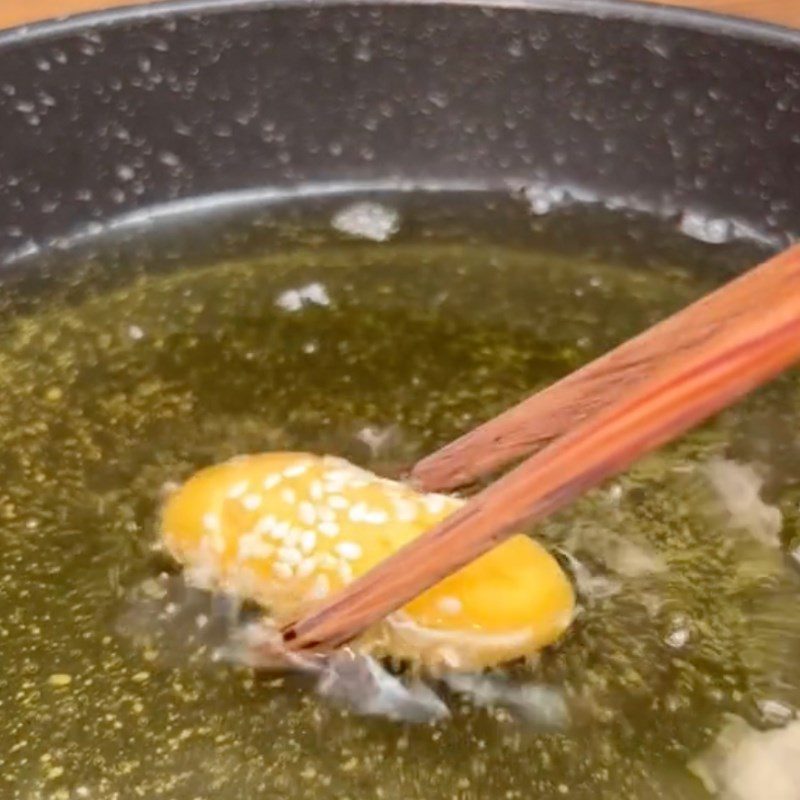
(406, 510)
(306, 513)
(435, 503)
(337, 475)
(316, 490)
(244, 548)
(308, 541)
(322, 586)
(295, 470)
(251, 501)
(279, 530)
(307, 567)
(349, 550)
(238, 489)
(449, 605)
(376, 517)
(328, 528)
(357, 512)
(289, 555)
(327, 561)
(271, 481)
(293, 537)
(337, 501)
(289, 496)
(211, 522)
(345, 572)
(282, 570)
(265, 524)
(253, 546)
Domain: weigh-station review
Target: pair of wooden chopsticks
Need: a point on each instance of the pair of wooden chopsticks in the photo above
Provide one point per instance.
(587, 427)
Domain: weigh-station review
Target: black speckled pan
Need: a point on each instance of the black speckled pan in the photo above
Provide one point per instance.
(105, 115)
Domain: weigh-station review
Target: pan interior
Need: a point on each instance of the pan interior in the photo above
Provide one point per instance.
(130, 364)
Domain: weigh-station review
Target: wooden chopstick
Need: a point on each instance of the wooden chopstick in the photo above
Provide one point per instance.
(546, 415)
(748, 333)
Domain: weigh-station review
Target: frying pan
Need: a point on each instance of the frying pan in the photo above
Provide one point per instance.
(127, 122)
(120, 119)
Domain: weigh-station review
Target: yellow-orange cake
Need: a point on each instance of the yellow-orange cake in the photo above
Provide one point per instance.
(287, 529)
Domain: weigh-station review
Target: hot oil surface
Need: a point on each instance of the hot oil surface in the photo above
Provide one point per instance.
(324, 346)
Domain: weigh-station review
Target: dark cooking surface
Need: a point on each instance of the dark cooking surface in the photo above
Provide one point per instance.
(656, 110)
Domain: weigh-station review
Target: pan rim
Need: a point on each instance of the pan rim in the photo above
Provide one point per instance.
(677, 17)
